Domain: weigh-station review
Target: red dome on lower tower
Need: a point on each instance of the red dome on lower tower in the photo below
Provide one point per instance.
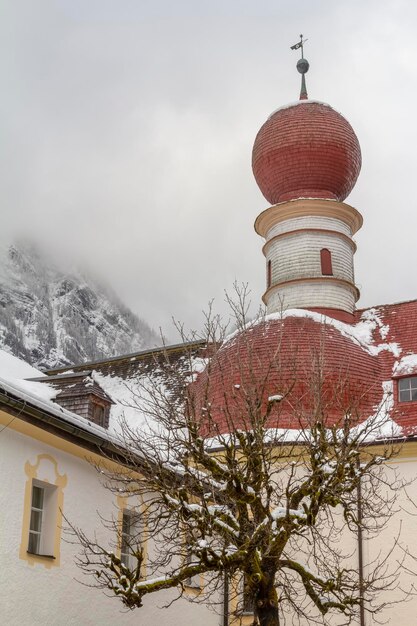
(306, 150)
(285, 371)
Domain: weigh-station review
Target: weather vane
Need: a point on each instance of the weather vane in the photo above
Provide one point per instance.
(302, 66)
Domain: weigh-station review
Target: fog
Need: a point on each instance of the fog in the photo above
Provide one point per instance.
(127, 130)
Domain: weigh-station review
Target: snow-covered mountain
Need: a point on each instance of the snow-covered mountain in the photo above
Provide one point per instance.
(49, 317)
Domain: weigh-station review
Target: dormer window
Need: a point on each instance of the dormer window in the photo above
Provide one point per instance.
(81, 394)
(407, 389)
(98, 413)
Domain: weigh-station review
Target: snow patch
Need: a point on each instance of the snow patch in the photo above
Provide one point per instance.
(276, 398)
(380, 425)
(12, 367)
(362, 333)
(290, 105)
(406, 365)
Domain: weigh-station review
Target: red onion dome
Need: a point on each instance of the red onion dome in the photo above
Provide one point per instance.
(306, 150)
(288, 370)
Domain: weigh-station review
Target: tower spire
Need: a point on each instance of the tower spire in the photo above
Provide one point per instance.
(302, 66)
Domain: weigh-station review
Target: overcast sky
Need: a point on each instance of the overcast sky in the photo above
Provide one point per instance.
(127, 129)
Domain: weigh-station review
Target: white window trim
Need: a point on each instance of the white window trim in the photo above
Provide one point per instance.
(37, 534)
(46, 534)
(129, 538)
(408, 390)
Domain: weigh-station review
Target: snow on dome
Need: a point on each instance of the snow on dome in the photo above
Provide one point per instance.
(406, 366)
(291, 357)
(306, 151)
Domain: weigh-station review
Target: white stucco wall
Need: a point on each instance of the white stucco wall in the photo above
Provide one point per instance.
(32, 594)
(311, 294)
(297, 255)
(402, 527)
(309, 221)
(293, 249)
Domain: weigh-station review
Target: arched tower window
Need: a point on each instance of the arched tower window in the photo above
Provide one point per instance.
(326, 262)
(268, 274)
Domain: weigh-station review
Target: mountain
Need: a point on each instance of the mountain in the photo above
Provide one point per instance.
(50, 317)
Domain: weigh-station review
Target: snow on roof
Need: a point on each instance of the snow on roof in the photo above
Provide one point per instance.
(130, 393)
(128, 396)
(406, 365)
(380, 425)
(362, 333)
(13, 367)
(289, 105)
(13, 372)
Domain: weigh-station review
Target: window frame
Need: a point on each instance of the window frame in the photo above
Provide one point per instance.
(127, 537)
(99, 413)
(48, 513)
(36, 533)
(192, 582)
(410, 389)
(248, 601)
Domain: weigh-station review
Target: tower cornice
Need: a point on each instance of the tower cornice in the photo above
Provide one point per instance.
(308, 207)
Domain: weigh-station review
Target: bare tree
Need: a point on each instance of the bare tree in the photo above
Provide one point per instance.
(274, 489)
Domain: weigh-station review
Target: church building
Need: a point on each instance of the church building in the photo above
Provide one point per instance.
(55, 425)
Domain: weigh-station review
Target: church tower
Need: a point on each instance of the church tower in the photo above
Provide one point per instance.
(306, 160)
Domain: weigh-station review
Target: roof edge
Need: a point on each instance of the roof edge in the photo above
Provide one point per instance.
(132, 356)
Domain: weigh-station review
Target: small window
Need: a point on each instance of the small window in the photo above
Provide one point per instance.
(268, 274)
(194, 582)
(129, 538)
(99, 414)
(43, 515)
(248, 603)
(326, 262)
(407, 389)
(36, 514)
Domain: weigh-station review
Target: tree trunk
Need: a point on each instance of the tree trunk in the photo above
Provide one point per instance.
(266, 603)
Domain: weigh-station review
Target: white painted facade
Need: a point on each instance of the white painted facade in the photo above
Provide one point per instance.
(323, 294)
(310, 222)
(297, 255)
(45, 592)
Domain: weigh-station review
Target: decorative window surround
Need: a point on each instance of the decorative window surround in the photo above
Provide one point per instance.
(45, 549)
(138, 531)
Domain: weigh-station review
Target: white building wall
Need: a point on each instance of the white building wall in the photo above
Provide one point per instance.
(33, 594)
(311, 294)
(297, 255)
(309, 221)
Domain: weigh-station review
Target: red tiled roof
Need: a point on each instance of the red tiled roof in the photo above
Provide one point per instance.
(306, 150)
(401, 322)
(288, 357)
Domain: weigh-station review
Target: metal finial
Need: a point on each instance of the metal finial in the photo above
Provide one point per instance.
(302, 66)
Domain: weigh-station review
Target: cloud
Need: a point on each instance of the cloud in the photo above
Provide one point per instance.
(128, 127)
